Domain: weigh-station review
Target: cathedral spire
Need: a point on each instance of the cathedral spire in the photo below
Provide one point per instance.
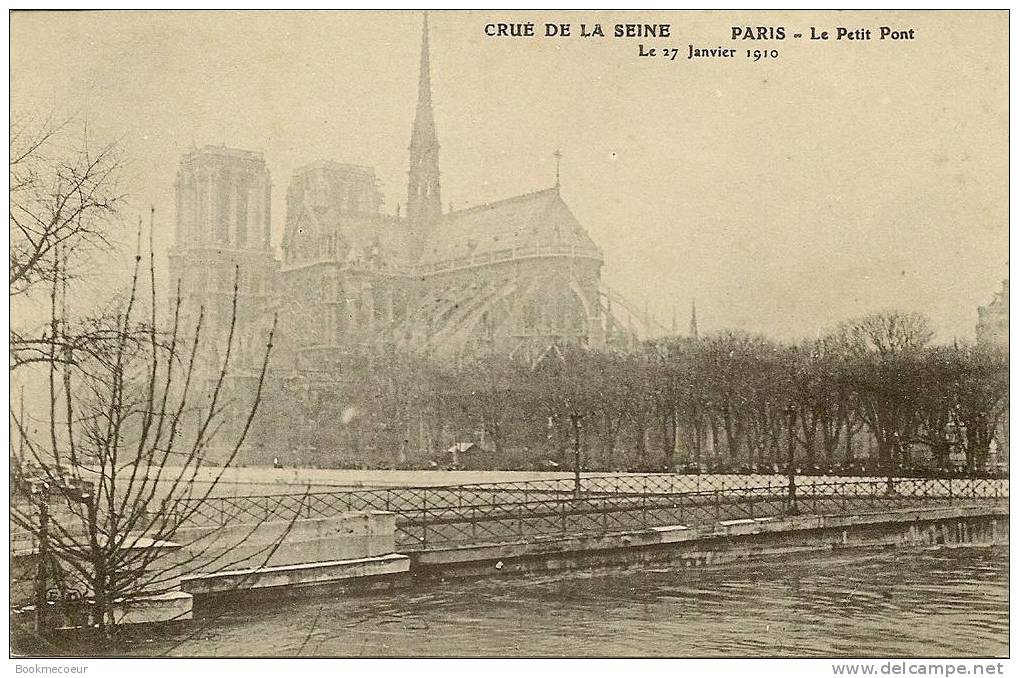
(424, 202)
(693, 319)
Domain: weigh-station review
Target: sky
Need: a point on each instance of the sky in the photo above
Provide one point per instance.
(786, 195)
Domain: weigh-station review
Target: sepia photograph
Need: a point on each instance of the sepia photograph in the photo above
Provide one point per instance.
(509, 334)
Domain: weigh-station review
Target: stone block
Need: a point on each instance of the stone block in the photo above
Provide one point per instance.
(294, 576)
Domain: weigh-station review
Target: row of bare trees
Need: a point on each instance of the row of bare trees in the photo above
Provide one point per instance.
(873, 392)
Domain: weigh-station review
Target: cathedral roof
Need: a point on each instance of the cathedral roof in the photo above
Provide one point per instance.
(534, 221)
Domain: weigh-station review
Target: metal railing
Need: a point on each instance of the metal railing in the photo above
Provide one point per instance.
(433, 517)
(222, 510)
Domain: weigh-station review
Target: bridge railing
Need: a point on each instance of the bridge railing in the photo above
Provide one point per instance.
(432, 517)
(247, 508)
(604, 513)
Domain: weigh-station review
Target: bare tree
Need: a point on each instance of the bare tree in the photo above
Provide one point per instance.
(62, 197)
(890, 333)
(116, 457)
(981, 398)
(887, 351)
(732, 359)
(64, 207)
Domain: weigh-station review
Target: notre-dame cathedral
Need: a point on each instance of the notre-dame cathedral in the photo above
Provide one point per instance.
(517, 276)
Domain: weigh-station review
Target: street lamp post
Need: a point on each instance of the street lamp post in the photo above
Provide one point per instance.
(39, 495)
(712, 459)
(575, 419)
(790, 411)
(894, 455)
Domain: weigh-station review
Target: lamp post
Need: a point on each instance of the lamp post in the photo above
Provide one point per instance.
(790, 411)
(709, 432)
(39, 495)
(893, 455)
(575, 420)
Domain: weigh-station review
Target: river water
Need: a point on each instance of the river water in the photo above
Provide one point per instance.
(940, 602)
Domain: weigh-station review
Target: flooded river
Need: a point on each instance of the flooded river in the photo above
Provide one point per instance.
(951, 601)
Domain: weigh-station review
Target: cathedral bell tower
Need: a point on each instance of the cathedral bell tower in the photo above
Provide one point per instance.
(424, 202)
